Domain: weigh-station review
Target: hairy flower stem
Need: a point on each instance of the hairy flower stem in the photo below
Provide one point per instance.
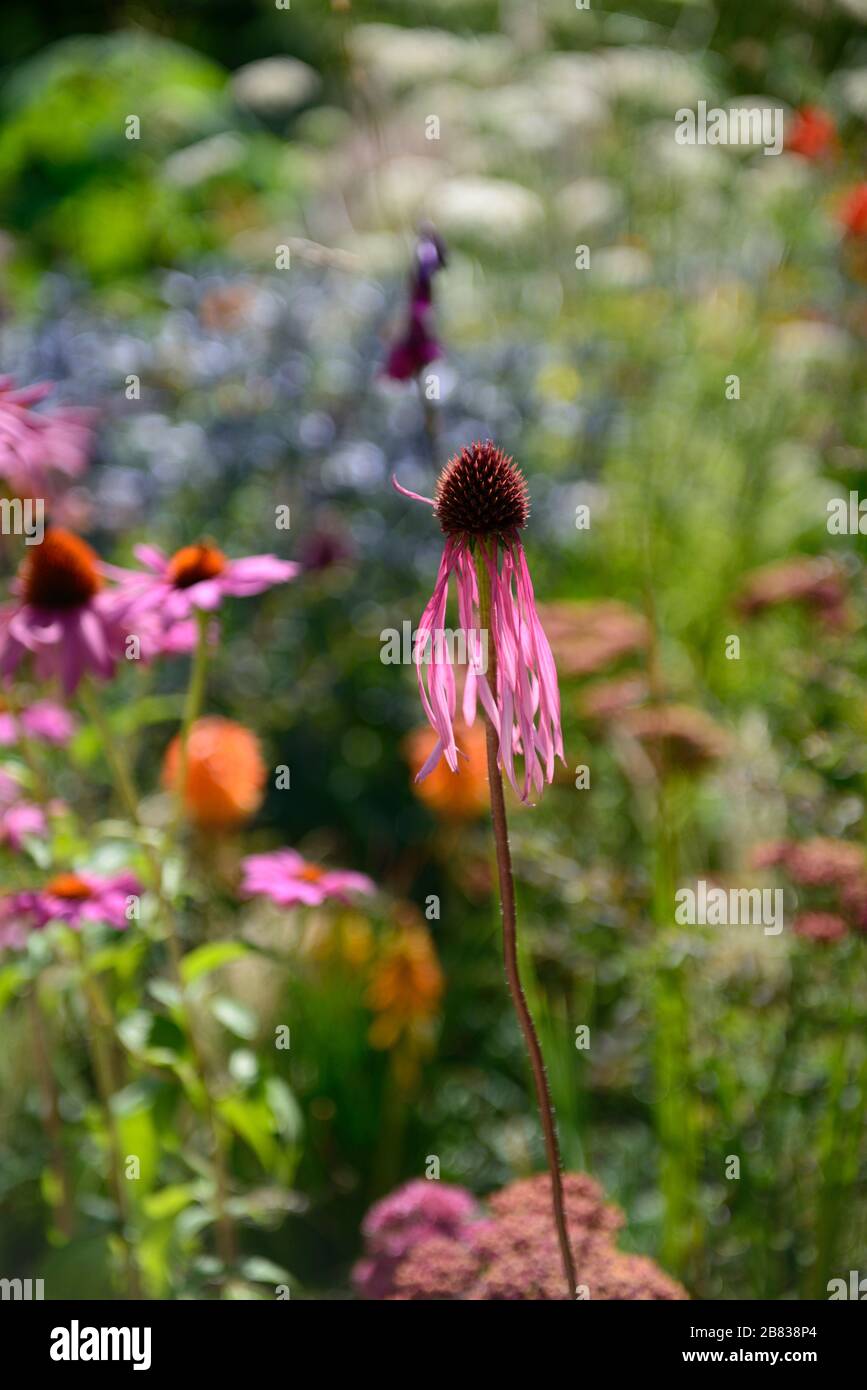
(510, 941)
(226, 1242)
(99, 1018)
(65, 1212)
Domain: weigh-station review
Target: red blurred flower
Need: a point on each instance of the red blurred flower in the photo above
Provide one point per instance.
(813, 133)
(852, 212)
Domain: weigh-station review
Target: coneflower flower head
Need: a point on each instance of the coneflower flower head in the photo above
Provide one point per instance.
(482, 503)
(61, 614)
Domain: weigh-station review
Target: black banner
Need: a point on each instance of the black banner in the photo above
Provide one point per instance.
(91, 1339)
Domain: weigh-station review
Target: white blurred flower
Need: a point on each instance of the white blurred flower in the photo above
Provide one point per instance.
(802, 342)
(493, 210)
(400, 58)
(653, 76)
(399, 188)
(691, 164)
(204, 159)
(274, 86)
(853, 88)
(588, 204)
(624, 267)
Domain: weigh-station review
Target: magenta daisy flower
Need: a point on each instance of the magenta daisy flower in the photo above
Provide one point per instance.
(197, 577)
(44, 721)
(36, 444)
(418, 346)
(60, 617)
(76, 898)
(290, 880)
(482, 503)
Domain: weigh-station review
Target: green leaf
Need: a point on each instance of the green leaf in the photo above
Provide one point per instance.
(12, 977)
(237, 1017)
(284, 1108)
(210, 957)
(251, 1121)
(261, 1271)
(171, 1201)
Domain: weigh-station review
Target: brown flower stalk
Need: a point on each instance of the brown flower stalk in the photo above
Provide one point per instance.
(510, 952)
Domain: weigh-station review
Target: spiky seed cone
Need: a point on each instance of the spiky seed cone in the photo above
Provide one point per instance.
(481, 492)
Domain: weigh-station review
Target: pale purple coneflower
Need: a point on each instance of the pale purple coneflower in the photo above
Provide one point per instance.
(482, 504)
(34, 445)
(195, 579)
(289, 880)
(76, 898)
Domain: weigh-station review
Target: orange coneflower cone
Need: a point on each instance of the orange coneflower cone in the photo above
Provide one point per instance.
(225, 777)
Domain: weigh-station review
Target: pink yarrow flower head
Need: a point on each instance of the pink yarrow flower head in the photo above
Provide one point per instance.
(76, 898)
(196, 578)
(60, 617)
(418, 346)
(37, 445)
(482, 505)
(290, 880)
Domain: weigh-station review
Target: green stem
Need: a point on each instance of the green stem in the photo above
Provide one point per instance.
(192, 708)
(510, 941)
(121, 775)
(28, 753)
(833, 1169)
(128, 794)
(106, 1085)
(65, 1212)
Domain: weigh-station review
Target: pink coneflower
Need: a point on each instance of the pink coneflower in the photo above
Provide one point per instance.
(43, 721)
(34, 444)
(197, 577)
(417, 346)
(290, 880)
(76, 898)
(482, 503)
(60, 617)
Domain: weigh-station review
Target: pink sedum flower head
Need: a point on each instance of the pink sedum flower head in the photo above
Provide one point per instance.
(195, 578)
(37, 445)
(482, 504)
(76, 898)
(61, 617)
(290, 880)
(43, 722)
